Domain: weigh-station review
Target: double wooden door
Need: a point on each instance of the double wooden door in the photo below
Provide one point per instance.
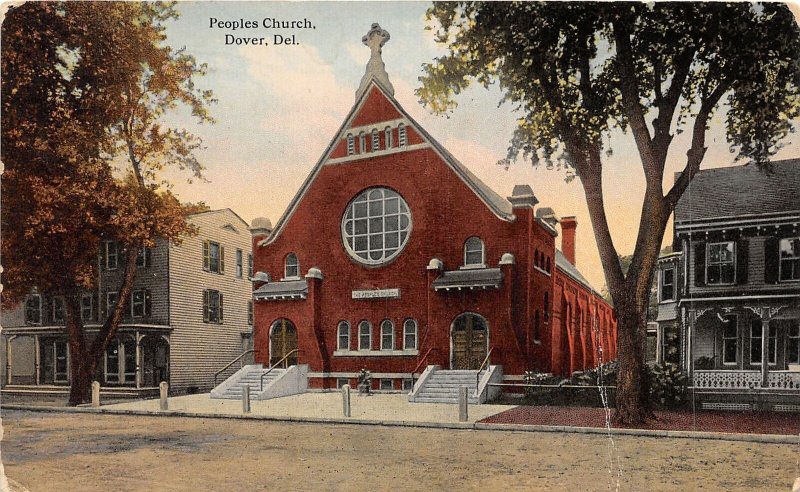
(282, 341)
(470, 341)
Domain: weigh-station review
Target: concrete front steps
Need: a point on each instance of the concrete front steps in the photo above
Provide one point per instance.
(277, 382)
(442, 386)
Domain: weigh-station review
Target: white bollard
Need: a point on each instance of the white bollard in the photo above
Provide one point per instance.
(346, 400)
(163, 390)
(463, 403)
(95, 394)
(246, 399)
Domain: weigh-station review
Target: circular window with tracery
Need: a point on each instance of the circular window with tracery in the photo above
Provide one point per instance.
(376, 226)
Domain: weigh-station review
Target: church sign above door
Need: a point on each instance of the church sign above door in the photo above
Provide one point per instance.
(376, 294)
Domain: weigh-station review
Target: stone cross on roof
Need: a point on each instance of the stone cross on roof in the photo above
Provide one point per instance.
(375, 39)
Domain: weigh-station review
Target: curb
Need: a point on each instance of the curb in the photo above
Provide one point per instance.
(720, 436)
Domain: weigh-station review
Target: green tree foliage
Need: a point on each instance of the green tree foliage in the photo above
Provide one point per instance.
(85, 90)
(578, 71)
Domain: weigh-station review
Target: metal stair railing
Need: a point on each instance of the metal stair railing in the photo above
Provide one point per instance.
(419, 364)
(229, 364)
(483, 364)
(261, 385)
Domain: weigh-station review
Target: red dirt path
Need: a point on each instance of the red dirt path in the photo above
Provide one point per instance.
(682, 420)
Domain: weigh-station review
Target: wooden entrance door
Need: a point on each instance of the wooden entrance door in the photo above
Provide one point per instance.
(470, 340)
(282, 341)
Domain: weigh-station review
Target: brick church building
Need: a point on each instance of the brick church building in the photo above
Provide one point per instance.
(393, 257)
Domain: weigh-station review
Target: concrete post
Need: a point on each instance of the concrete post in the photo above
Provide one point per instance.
(246, 398)
(163, 390)
(346, 400)
(95, 394)
(463, 403)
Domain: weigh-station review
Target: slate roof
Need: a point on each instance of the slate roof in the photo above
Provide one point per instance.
(469, 279)
(282, 289)
(740, 191)
(568, 268)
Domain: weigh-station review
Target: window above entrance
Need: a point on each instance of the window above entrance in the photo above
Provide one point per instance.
(376, 226)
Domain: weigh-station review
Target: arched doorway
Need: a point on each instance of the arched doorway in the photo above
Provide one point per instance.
(470, 339)
(155, 360)
(282, 341)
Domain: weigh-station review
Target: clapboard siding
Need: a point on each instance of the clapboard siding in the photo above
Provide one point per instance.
(199, 349)
(152, 277)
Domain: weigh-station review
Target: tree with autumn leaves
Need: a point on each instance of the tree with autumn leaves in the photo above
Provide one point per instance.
(85, 91)
(578, 71)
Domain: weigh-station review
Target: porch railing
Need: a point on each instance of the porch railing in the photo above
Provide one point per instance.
(722, 379)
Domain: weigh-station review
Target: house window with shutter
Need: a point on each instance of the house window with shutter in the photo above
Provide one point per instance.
(250, 313)
(720, 263)
(789, 259)
(87, 307)
(143, 258)
(756, 339)
(111, 302)
(239, 263)
(140, 303)
(58, 310)
(213, 257)
(33, 310)
(212, 306)
(730, 340)
(667, 285)
(793, 342)
(111, 255)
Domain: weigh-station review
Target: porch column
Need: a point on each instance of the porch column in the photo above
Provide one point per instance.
(690, 318)
(138, 360)
(37, 357)
(765, 351)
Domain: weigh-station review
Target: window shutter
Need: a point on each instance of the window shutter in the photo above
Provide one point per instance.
(220, 307)
(206, 255)
(102, 256)
(771, 260)
(742, 256)
(700, 264)
(222, 259)
(148, 304)
(205, 306)
(148, 257)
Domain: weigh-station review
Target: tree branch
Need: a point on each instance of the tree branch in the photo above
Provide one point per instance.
(667, 106)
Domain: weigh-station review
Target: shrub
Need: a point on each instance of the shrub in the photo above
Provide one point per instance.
(668, 386)
(704, 363)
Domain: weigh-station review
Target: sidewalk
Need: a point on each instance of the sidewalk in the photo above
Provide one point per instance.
(377, 408)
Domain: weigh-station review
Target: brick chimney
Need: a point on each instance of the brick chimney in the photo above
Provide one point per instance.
(568, 226)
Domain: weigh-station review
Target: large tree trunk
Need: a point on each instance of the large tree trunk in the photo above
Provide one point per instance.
(81, 378)
(632, 396)
(83, 359)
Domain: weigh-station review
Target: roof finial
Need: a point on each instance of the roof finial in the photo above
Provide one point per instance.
(375, 39)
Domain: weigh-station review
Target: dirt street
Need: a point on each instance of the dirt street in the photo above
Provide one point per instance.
(44, 451)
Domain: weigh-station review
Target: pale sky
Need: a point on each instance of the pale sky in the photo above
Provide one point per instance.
(279, 107)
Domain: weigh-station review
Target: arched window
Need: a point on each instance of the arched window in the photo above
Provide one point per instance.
(376, 140)
(344, 335)
(292, 266)
(362, 143)
(402, 139)
(387, 335)
(546, 306)
(351, 144)
(547, 265)
(536, 258)
(536, 329)
(474, 254)
(410, 334)
(387, 133)
(364, 335)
